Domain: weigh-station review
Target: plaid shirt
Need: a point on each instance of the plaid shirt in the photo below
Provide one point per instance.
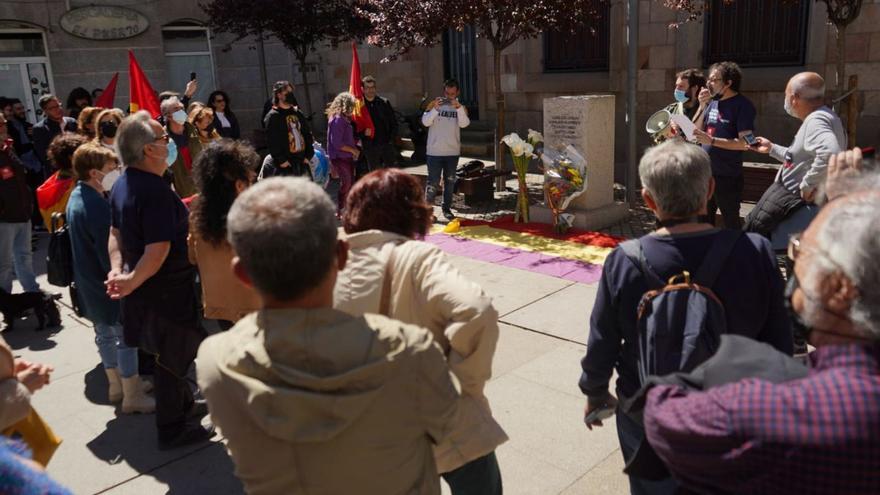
(817, 435)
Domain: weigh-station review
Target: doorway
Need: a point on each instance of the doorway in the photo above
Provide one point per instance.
(24, 70)
(460, 62)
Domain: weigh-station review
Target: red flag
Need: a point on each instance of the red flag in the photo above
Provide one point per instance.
(109, 95)
(360, 117)
(141, 94)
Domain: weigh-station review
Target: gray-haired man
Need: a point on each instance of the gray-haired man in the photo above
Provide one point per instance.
(312, 399)
(151, 273)
(678, 182)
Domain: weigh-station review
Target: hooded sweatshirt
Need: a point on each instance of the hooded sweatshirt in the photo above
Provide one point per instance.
(319, 402)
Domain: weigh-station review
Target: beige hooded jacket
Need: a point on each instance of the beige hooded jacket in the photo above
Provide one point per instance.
(427, 291)
(319, 402)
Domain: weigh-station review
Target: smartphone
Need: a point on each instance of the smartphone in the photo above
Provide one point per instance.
(599, 414)
(445, 101)
(751, 140)
(192, 76)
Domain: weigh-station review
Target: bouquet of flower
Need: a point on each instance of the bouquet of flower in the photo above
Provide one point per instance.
(521, 151)
(565, 178)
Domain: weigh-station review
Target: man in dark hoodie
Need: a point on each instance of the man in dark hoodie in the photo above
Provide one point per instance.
(288, 134)
(312, 399)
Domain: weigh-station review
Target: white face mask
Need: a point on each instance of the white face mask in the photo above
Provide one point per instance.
(179, 116)
(109, 179)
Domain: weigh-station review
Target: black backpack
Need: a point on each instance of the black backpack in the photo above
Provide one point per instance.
(59, 259)
(680, 321)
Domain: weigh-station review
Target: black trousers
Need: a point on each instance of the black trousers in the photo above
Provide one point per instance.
(167, 327)
(381, 156)
(727, 198)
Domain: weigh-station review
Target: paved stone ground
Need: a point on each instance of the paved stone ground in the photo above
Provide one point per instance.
(533, 393)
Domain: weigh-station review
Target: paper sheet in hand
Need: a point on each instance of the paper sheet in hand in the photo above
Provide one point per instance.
(685, 124)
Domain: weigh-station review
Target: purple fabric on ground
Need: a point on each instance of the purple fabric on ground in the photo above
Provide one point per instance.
(554, 266)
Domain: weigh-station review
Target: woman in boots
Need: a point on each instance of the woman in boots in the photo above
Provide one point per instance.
(88, 218)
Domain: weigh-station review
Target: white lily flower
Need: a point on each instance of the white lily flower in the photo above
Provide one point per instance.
(535, 136)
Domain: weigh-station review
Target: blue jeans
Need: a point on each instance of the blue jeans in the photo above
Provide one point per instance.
(478, 477)
(113, 351)
(447, 166)
(15, 254)
(630, 435)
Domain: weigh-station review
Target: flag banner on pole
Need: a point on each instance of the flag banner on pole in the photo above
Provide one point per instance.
(360, 117)
(108, 96)
(141, 93)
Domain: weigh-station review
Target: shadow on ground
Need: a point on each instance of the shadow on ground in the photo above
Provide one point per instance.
(204, 468)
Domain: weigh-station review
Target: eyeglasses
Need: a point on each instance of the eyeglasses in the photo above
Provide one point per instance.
(164, 137)
(713, 79)
(52, 107)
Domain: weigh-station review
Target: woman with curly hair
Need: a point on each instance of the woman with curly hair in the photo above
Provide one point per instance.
(85, 123)
(390, 272)
(225, 121)
(78, 99)
(222, 171)
(341, 146)
(53, 194)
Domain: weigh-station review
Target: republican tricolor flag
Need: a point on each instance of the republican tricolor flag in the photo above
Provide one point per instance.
(360, 117)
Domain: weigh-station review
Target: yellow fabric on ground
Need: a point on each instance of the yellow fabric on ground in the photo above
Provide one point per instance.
(528, 242)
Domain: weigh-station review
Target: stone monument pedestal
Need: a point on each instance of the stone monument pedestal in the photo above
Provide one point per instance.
(587, 123)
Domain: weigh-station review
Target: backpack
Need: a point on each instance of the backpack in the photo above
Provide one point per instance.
(680, 321)
(59, 259)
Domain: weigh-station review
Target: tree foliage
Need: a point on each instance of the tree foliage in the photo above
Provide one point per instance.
(299, 24)
(403, 24)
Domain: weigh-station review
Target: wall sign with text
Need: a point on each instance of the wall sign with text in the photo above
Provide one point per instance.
(104, 23)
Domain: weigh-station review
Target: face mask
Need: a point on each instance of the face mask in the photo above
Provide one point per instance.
(179, 116)
(290, 99)
(787, 105)
(172, 152)
(797, 323)
(109, 179)
(108, 129)
(680, 96)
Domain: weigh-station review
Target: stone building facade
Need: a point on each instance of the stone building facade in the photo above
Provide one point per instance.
(175, 43)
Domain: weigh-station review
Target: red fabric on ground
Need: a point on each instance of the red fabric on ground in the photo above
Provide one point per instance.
(585, 237)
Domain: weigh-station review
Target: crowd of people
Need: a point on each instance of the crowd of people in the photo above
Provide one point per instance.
(345, 342)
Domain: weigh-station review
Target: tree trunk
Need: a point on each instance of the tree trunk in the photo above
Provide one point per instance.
(499, 118)
(305, 75)
(841, 66)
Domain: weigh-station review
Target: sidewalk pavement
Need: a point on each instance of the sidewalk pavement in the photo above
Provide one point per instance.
(533, 393)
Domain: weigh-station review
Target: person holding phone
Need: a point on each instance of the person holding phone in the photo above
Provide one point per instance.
(444, 117)
(727, 118)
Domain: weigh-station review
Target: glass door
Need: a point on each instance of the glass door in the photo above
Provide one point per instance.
(24, 69)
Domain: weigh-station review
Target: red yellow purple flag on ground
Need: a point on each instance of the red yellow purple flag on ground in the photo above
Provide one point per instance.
(141, 94)
(109, 94)
(360, 117)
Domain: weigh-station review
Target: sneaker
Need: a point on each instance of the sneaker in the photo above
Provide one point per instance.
(448, 214)
(190, 434)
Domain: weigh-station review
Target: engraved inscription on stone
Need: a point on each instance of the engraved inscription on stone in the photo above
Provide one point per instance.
(104, 23)
(564, 127)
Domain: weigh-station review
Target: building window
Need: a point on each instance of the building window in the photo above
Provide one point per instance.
(187, 50)
(584, 51)
(24, 68)
(756, 33)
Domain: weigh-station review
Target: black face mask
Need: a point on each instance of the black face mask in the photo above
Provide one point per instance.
(108, 129)
(798, 326)
(290, 99)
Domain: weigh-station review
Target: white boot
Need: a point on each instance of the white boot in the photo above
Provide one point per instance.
(134, 400)
(114, 391)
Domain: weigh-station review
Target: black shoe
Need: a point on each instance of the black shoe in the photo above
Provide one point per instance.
(448, 214)
(198, 410)
(190, 434)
